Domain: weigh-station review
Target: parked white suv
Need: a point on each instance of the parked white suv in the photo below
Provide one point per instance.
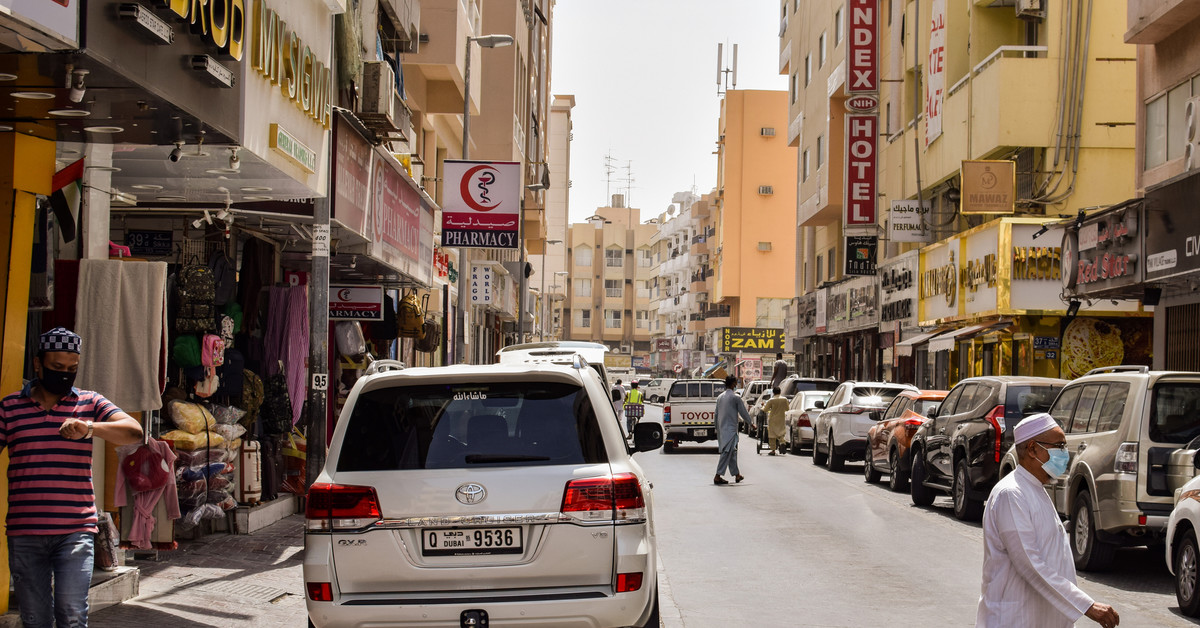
(492, 493)
(1183, 550)
(840, 430)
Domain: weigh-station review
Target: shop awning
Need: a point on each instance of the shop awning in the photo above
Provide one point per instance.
(905, 347)
(945, 342)
(993, 328)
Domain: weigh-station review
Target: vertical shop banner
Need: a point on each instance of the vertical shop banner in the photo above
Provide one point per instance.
(861, 253)
(483, 285)
(863, 52)
(935, 79)
(351, 177)
(862, 131)
(481, 204)
(821, 322)
(908, 222)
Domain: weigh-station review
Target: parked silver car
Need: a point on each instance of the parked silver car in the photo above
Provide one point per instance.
(497, 493)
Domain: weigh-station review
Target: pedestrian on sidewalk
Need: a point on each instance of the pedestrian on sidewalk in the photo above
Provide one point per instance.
(48, 428)
(779, 372)
(1028, 572)
(729, 407)
(775, 408)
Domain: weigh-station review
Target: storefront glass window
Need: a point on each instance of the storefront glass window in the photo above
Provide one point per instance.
(1156, 132)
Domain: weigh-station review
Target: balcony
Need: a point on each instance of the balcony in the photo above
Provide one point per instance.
(1152, 21)
(699, 246)
(785, 58)
(1024, 93)
(441, 61)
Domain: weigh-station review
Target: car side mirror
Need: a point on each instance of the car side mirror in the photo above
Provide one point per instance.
(647, 436)
(820, 405)
(933, 412)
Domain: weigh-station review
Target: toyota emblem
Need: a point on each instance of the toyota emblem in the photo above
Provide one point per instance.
(470, 493)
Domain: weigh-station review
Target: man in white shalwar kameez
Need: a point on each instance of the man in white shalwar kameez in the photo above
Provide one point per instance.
(1028, 572)
(729, 408)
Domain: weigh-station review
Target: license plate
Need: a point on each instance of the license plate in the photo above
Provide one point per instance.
(471, 542)
(699, 432)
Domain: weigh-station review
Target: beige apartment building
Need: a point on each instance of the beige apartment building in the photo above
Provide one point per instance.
(1003, 84)
(550, 266)
(609, 270)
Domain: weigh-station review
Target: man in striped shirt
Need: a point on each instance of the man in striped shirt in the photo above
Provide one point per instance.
(48, 429)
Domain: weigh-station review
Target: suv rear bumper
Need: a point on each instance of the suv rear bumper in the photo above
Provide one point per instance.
(854, 449)
(599, 609)
(695, 434)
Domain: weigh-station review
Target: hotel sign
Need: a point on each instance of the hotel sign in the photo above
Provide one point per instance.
(863, 47)
(862, 131)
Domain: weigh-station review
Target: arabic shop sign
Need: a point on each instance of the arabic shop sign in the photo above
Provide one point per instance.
(1104, 252)
(358, 303)
(221, 23)
(751, 340)
(283, 58)
(481, 204)
(1037, 262)
(898, 289)
(941, 280)
(861, 253)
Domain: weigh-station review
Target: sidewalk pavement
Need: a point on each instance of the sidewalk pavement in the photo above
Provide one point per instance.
(220, 580)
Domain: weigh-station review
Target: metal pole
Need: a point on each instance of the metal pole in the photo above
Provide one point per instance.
(464, 265)
(542, 309)
(522, 279)
(318, 342)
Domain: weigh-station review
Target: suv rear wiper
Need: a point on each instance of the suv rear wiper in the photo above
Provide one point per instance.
(485, 458)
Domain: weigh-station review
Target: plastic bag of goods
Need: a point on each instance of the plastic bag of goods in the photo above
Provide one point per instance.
(195, 515)
(294, 453)
(230, 432)
(192, 418)
(205, 471)
(200, 456)
(182, 440)
(227, 415)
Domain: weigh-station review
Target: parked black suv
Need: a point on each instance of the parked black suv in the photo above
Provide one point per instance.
(958, 451)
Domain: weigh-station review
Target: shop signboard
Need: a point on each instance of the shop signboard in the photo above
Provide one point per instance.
(908, 221)
(1103, 252)
(663, 344)
(838, 309)
(483, 284)
(935, 81)
(358, 303)
(989, 187)
(821, 319)
(861, 252)
(862, 141)
(979, 269)
(147, 243)
(937, 283)
(1172, 231)
(1093, 342)
(401, 220)
(898, 291)
(751, 340)
(52, 23)
(1036, 269)
(854, 305)
(351, 177)
(862, 54)
(616, 360)
(806, 315)
(752, 368)
(481, 204)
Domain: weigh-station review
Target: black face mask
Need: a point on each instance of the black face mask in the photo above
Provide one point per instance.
(57, 382)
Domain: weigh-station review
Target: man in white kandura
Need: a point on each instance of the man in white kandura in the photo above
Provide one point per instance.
(1028, 572)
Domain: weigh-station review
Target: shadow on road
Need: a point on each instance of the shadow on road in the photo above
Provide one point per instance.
(685, 450)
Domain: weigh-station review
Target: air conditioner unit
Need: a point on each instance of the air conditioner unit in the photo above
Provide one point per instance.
(1191, 134)
(1030, 9)
(767, 131)
(378, 106)
(766, 190)
(626, 348)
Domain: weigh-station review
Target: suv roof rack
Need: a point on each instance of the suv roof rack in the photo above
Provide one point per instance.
(381, 366)
(1127, 368)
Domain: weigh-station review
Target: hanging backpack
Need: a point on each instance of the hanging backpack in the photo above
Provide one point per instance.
(194, 293)
(411, 316)
(224, 277)
(276, 409)
(252, 396)
(212, 351)
(432, 338)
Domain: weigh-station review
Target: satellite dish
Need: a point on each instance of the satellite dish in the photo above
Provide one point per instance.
(671, 209)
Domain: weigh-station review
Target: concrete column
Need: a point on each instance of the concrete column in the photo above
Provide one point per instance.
(96, 202)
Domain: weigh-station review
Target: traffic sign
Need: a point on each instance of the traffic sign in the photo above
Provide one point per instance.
(678, 367)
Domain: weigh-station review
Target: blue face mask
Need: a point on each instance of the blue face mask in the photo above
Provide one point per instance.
(1057, 464)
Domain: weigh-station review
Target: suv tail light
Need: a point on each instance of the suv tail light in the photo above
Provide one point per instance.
(803, 421)
(1127, 458)
(913, 423)
(340, 507)
(995, 417)
(627, 582)
(617, 498)
(666, 414)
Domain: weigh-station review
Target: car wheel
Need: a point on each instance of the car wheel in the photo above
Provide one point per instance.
(834, 461)
(1187, 563)
(668, 447)
(897, 479)
(793, 443)
(869, 473)
(1089, 552)
(965, 508)
(818, 458)
(921, 495)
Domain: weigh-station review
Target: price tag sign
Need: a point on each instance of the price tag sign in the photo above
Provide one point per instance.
(320, 381)
(320, 241)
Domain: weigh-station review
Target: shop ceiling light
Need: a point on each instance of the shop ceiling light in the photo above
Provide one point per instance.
(257, 188)
(171, 198)
(146, 186)
(103, 168)
(256, 198)
(146, 23)
(33, 95)
(103, 129)
(70, 113)
(5, 76)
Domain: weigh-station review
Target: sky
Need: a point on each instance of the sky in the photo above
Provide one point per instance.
(644, 77)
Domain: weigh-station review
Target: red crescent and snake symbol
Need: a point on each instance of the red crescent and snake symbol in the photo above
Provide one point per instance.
(486, 177)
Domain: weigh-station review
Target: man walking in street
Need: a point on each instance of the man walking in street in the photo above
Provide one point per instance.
(779, 372)
(48, 427)
(729, 408)
(1028, 572)
(618, 401)
(775, 408)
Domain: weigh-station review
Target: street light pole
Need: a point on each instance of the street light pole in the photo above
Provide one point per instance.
(545, 251)
(464, 270)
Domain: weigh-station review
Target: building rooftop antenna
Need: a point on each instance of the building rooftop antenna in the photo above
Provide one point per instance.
(609, 169)
(726, 72)
(629, 183)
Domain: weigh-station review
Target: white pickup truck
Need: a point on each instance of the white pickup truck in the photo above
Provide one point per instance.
(690, 411)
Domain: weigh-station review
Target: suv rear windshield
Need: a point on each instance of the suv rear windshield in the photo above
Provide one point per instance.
(1024, 400)
(873, 396)
(1175, 413)
(466, 426)
(792, 386)
(697, 390)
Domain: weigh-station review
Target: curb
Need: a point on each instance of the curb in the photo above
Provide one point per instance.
(669, 615)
